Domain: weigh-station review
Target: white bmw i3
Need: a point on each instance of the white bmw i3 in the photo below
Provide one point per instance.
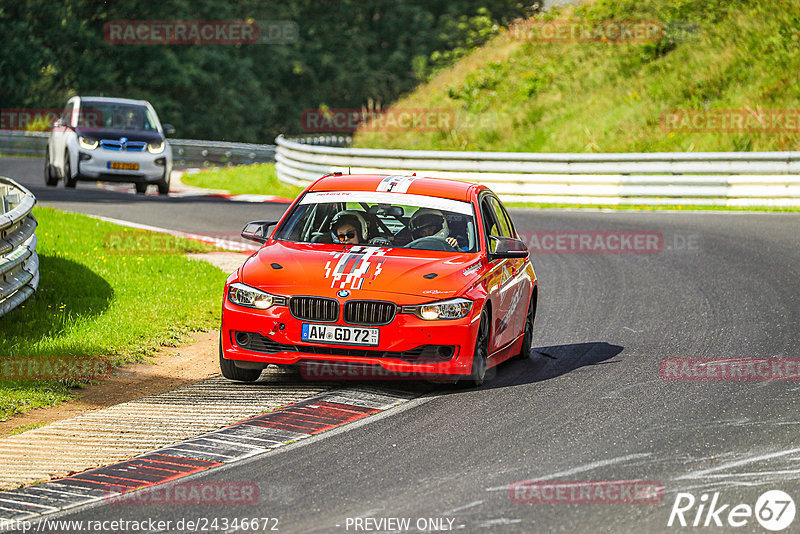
(109, 140)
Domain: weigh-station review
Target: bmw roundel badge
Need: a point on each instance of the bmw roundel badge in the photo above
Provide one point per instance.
(343, 293)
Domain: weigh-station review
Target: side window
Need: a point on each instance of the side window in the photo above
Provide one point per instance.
(489, 224)
(506, 230)
(66, 115)
(149, 121)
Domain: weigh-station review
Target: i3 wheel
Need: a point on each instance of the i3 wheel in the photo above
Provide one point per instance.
(50, 177)
(527, 340)
(481, 354)
(231, 372)
(163, 186)
(141, 188)
(69, 181)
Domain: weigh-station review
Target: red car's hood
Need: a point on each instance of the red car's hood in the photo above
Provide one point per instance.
(367, 272)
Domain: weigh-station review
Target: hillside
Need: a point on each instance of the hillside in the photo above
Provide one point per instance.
(722, 76)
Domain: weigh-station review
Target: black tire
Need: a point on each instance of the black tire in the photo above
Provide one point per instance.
(231, 372)
(527, 341)
(50, 177)
(69, 181)
(141, 187)
(163, 187)
(481, 354)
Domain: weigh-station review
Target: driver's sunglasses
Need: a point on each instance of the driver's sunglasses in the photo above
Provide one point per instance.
(427, 230)
(349, 235)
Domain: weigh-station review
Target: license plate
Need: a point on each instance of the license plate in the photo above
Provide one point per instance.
(122, 166)
(346, 335)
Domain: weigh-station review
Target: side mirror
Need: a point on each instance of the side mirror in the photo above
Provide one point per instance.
(168, 129)
(257, 231)
(506, 247)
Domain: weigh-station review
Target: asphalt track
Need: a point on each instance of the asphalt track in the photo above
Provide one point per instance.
(589, 406)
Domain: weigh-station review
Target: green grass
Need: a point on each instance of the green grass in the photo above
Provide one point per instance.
(94, 302)
(25, 428)
(511, 95)
(654, 207)
(257, 179)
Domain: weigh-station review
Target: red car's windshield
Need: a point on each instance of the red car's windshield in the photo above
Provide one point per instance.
(384, 219)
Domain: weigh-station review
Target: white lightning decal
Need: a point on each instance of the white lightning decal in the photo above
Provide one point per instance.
(353, 266)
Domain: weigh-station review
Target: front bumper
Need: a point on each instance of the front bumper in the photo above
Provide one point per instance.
(151, 167)
(406, 345)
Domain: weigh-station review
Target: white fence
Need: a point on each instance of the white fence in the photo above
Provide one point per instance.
(702, 178)
(19, 265)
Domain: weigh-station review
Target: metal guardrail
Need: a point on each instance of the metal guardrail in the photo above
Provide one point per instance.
(30, 143)
(19, 264)
(702, 178)
(185, 152)
(326, 140)
(192, 152)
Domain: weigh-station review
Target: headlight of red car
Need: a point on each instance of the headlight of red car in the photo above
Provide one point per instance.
(250, 297)
(444, 309)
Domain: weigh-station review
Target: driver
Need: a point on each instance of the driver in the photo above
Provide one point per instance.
(348, 227)
(428, 222)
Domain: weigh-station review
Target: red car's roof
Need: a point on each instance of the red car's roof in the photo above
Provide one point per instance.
(415, 185)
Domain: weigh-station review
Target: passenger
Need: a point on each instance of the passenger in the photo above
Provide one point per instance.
(431, 223)
(349, 227)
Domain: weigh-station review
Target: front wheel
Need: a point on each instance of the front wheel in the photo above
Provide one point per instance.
(50, 177)
(69, 181)
(231, 372)
(163, 186)
(480, 356)
(527, 340)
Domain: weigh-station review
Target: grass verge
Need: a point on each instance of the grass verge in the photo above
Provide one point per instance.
(655, 207)
(533, 95)
(256, 179)
(101, 301)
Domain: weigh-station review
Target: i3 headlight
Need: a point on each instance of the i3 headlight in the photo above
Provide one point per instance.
(87, 143)
(156, 148)
(444, 309)
(250, 297)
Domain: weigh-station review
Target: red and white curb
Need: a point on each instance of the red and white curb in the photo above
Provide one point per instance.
(247, 438)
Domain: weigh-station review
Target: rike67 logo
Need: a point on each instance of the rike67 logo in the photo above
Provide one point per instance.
(774, 510)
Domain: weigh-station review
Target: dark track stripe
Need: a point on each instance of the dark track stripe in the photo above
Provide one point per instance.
(344, 407)
(179, 461)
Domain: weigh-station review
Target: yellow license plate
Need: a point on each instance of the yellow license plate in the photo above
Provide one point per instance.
(121, 166)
